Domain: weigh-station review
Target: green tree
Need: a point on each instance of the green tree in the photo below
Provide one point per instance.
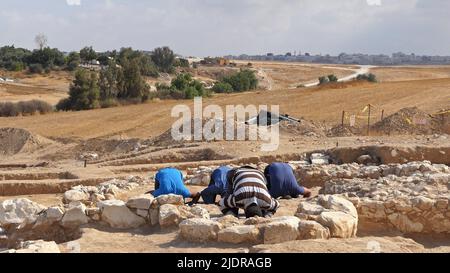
(83, 93)
(88, 54)
(73, 61)
(47, 57)
(131, 83)
(164, 59)
(12, 58)
(108, 81)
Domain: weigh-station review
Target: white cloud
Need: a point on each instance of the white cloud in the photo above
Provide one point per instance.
(374, 2)
(73, 2)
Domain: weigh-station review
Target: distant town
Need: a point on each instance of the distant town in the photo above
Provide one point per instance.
(343, 58)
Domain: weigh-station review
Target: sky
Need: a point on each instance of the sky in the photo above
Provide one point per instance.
(222, 27)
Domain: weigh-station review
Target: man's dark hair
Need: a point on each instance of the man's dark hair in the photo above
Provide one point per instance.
(253, 210)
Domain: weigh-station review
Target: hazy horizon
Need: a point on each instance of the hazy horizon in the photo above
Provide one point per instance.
(216, 28)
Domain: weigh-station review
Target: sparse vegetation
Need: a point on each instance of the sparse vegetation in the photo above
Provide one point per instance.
(332, 78)
(323, 80)
(10, 109)
(223, 87)
(367, 77)
(328, 79)
(182, 87)
(241, 81)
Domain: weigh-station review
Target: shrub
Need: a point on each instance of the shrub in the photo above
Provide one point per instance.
(222, 87)
(332, 78)
(323, 80)
(242, 81)
(9, 109)
(36, 68)
(367, 77)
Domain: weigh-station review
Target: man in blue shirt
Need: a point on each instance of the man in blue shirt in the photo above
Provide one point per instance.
(217, 186)
(282, 182)
(170, 181)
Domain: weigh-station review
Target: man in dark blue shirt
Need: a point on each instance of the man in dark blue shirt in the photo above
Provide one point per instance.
(217, 186)
(282, 182)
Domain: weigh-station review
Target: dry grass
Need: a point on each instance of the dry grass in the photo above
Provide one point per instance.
(319, 104)
(411, 73)
(291, 75)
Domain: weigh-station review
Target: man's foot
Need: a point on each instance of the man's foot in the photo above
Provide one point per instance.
(287, 197)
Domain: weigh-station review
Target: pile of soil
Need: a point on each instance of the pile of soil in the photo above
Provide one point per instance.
(15, 140)
(343, 131)
(408, 121)
(109, 146)
(166, 138)
(302, 128)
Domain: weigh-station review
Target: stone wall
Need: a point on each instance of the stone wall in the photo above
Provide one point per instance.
(413, 198)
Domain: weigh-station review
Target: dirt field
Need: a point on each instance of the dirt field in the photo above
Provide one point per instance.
(317, 104)
(410, 73)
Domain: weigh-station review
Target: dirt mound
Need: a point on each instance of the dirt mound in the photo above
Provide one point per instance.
(166, 138)
(14, 141)
(343, 131)
(408, 121)
(302, 128)
(109, 146)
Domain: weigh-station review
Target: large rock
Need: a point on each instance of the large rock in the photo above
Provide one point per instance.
(312, 230)
(281, 229)
(336, 203)
(240, 234)
(142, 202)
(118, 215)
(170, 199)
(340, 224)
(50, 216)
(75, 216)
(310, 208)
(19, 212)
(37, 247)
(229, 221)
(153, 216)
(75, 195)
(199, 230)
(169, 215)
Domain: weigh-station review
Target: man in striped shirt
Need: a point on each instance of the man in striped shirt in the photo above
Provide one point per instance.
(247, 190)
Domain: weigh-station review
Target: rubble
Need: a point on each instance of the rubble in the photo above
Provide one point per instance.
(75, 216)
(411, 198)
(19, 212)
(336, 214)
